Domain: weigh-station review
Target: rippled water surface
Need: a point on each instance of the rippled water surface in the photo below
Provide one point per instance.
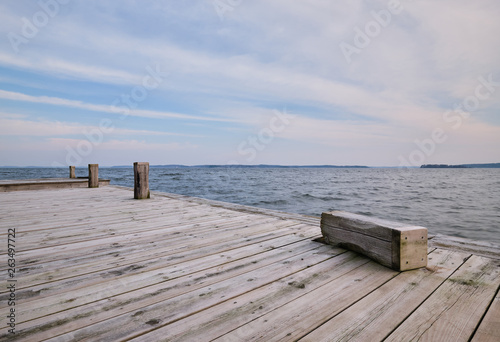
(459, 202)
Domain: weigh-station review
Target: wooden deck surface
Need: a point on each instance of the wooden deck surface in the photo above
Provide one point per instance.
(96, 265)
(46, 183)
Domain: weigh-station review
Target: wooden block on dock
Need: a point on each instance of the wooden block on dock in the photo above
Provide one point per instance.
(396, 245)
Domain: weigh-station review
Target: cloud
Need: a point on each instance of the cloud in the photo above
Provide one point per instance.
(230, 75)
(11, 126)
(292, 72)
(124, 145)
(68, 69)
(62, 144)
(8, 95)
(4, 115)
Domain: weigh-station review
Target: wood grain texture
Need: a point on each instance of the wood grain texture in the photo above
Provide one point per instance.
(93, 175)
(224, 317)
(97, 265)
(183, 305)
(309, 311)
(486, 249)
(46, 184)
(378, 314)
(489, 330)
(455, 309)
(141, 180)
(130, 292)
(398, 246)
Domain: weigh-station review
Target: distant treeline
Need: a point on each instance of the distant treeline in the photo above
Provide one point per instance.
(425, 166)
(252, 166)
(461, 166)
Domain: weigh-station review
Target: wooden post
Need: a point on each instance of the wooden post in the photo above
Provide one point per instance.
(141, 180)
(72, 172)
(398, 246)
(93, 175)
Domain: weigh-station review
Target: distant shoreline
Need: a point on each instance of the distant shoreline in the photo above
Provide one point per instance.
(461, 166)
(267, 166)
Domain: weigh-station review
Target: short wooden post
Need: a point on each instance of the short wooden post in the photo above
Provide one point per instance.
(396, 245)
(141, 180)
(72, 172)
(93, 175)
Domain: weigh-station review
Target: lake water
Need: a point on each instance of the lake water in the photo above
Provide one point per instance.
(458, 202)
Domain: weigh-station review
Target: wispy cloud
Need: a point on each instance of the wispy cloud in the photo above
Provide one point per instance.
(223, 79)
(125, 145)
(9, 125)
(68, 69)
(8, 95)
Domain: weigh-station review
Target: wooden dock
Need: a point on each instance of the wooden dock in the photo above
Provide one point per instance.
(97, 265)
(47, 183)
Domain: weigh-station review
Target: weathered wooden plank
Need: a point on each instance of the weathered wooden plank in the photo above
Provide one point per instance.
(49, 185)
(68, 210)
(119, 194)
(306, 313)
(96, 247)
(37, 181)
(62, 237)
(54, 282)
(455, 309)
(108, 222)
(195, 241)
(174, 228)
(132, 292)
(392, 244)
(67, 216)
(134, 300)
(72, 195)
(64, 196)
(116, 243)
(38, 195)
(489, 330)
(72, 173)
(93, 175)
(486, 249)
(378, 314)
(141, 180)
(218, 320)
(101, 210)
(28, 247)
(166, 311)
(37, 282)
(82, 219)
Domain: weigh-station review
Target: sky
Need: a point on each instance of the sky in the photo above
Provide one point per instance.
(306, 82)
